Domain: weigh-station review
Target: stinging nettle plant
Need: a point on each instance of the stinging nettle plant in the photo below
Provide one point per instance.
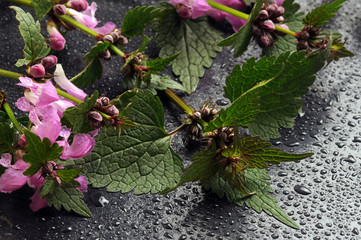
(70, 139)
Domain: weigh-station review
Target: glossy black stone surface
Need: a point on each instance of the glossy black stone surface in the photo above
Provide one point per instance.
(321, 193)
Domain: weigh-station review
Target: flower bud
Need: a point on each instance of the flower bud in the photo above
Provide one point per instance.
(223, 136)
(106, 54)
(197, 115)
(112, 110)
(214, 111)
(280, 11)
(263, 14)
(206, 111)
(268, 25)
(302, 45)
(19, 154)
(280, 19)
(265, 41)
(49, 61)
(37, 71)
(108, 38)
(122, 40)
(282, 26)
(184, 11)
(59, 9)
(95, 116)
(272, 9)
(22, 141)
(105, 101)
(257, 31)
(314, 31)
(78, 5)
(303, 35)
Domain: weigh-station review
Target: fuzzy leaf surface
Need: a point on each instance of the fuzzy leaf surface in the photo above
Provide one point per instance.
(7, 135)
(89, 75)
(76, 117)
(35, 44)
(323, 14)
(293, 19)
(68, 197)
(194, 40)
(241, 39)
(203, 167)
(68, 175)
(257, 181)
(42, 7)
(137, 19)
(38, 152)
(275, 98)
(159, 64)
(257, 153)
(140, 158)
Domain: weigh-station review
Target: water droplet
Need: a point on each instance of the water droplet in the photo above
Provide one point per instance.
(302, 190)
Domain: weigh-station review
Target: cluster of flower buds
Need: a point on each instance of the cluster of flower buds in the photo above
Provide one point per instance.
(223, 137)
(303, 38)
(39, 70)
(265, 24)
(114, 37)
(207, 113)
(102, 104)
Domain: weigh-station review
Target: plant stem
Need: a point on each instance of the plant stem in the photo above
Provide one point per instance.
(23, 2)
(117, 51)
(243, 15)
(78, 25)
(10, 74)
(179, 102)
(68, 96)
(12, 116)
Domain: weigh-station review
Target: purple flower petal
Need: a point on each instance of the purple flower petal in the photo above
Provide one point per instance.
(37, 202)
(106, 29)
(47, 96)
(82, 145)
(24, 104)
(12, 180)
(83, 183)
(5, 160)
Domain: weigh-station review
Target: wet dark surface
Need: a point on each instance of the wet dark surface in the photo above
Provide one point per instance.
(322, 194)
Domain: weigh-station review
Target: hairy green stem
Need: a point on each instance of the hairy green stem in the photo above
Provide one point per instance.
(179, 102)
(243, 16)
(117, 51)
(12, 116)
(22, 2)
(10, 74)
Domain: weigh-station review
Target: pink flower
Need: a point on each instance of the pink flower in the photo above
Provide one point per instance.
(81, 146)
(13, 177)
(200, 8)
(64, 83)
(88, 19)
(279, 2)
(83, 183)
(49, 61)
(57, 41)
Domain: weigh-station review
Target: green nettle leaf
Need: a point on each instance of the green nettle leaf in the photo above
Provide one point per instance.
(123, 100)
(68, 197)
(137, 19)
(38, 152)
(293, 19)
(3, 116)
(257, 153)
(156, 82)
(89, 75)
(203, 167)
(42, 7)
(68, 175)
(35, 44)
(7, 135)
(76, 117)
(339, 51)
(140, 158)
(274, 99)
(241, 39)
(95, 50)
(159, 64)
(256, 182)
(48, 187)
(322, 15)
(194, 40)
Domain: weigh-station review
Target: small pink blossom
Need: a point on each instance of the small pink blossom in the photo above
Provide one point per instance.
(57, 40)
(13, 177)
(49, 61)
(81, 146)
(83, 183)
(88, 19)
(78, 5)
(200, 8)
